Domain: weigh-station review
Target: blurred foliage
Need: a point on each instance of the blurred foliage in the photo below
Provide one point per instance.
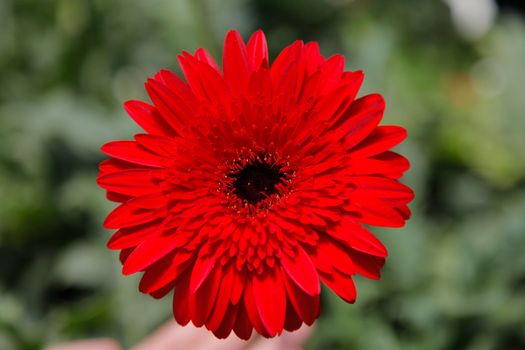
(455, 278)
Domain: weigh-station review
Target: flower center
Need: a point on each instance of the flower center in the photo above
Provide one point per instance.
(257, 181)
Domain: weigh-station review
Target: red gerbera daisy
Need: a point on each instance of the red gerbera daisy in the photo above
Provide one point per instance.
(253, 184)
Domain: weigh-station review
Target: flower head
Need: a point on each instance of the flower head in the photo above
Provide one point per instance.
(252, 184)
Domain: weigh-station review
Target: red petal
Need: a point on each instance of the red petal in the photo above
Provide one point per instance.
(130, 182)
(117, 197)
(313, 57)
(164, 146)
(394, 160)
(201, 270)
(133, 236)
(162, 292)
(176, 86)
(380, 140)
(113, 165)
(288, 88)
(361, 119)
(126, 216)
(375, 212)
(404, 211)
(204, 56)
(293, 322)
(238, 286)
(165, 271)
(124, 254)
(237, 67)
(329, 251)
(130, 151)
(251, 309)
(334, 105)
(302, 271)
(150, 201)
(148, 118)
(270, 299)
(258, 49)
(306, 306)
(260, 86)
(228, 322)
(181, 306)
(170, 105)
(371, 166)
(223, 298)
(389, 190)
(367, 265)
(322, 264)
(150, 251)
(331, 71)
(204, 81)
(243, 327)
(341, 284)
(282, 63)
(355, 236)
(202, 301)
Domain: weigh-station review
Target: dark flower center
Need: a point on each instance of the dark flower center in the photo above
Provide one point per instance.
(257, 181)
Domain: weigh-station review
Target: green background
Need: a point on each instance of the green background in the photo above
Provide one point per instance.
(455, 277)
